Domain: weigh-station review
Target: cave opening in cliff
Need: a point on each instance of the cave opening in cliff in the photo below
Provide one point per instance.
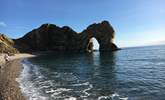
(93, 45)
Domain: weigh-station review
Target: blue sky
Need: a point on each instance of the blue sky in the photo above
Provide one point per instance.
(136, 22)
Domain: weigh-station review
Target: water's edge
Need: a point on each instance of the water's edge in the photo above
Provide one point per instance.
(33, 93)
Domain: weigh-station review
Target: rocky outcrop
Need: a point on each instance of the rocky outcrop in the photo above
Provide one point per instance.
(104, 34)
(6, 45)
(54, 38)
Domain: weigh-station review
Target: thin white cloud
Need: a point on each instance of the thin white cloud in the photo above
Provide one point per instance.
(3, 24)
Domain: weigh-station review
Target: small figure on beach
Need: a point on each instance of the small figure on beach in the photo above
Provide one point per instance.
(6, 57)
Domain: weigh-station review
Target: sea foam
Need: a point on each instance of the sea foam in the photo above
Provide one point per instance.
(26, 85)
(35, 86)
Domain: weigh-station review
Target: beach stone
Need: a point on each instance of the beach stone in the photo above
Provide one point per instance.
(9, 88)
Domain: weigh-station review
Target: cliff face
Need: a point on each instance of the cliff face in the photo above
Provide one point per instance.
(48, 37)
(54, 38)
(6, 45)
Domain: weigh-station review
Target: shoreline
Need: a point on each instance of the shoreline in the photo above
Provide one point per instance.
(9, 87)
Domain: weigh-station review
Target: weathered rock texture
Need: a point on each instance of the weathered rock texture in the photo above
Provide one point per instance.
(6, 45)
(54, 38)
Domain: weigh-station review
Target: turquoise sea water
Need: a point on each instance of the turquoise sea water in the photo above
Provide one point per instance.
(129, 74)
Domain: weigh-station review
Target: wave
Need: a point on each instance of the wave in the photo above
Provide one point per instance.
(37, 86)
(114, 96)
(27, 86)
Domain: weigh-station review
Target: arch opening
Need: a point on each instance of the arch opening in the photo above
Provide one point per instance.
(93, 45)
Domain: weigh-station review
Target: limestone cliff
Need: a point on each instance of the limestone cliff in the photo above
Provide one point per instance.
(54, 38)
(6, 45)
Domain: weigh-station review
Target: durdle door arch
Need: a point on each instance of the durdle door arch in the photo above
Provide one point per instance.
(103, 33)
(93, 45)
(49, 37)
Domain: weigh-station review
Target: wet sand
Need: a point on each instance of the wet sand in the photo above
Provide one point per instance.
(9, 87)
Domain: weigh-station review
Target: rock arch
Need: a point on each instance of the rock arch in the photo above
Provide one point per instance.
(104, 34)
(49, 37)
(93, 45)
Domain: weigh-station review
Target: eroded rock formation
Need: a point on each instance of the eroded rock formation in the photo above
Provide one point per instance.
(6, 45)
(104, 34)
(54, 38)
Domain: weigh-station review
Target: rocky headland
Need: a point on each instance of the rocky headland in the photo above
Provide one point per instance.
(49, 37)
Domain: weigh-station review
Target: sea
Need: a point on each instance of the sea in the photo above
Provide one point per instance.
(136, 73)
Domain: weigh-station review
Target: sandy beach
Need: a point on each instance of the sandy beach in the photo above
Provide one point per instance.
(9, 71)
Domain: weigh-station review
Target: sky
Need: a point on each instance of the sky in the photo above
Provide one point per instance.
(136, 22)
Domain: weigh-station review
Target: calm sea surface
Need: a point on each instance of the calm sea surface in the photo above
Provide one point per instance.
(129, 74)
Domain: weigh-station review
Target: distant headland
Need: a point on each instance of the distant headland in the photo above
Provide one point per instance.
(49, 37)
